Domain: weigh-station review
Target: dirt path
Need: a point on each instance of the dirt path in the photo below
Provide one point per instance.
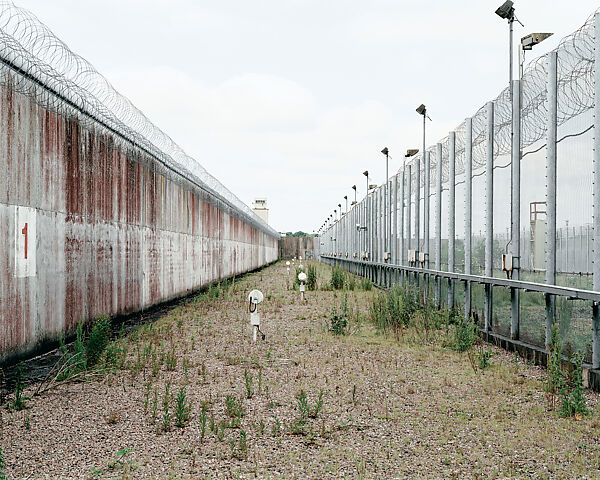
(389, 409)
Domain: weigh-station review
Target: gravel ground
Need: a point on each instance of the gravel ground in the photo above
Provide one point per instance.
(390, 408)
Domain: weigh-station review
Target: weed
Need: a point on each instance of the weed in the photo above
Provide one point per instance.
(276, 428)
(97, 341)
(202, 417)
(338, 277)
(166, 417)
(234, 410)
(311, 277)
(212, 425)
(220, 432)
(249, 386)
(20, 401)
(571, 394)
(305, 411)
(554, 380)
(338, 324)
(171, 358)
(239, 450)
(465, 332)
(183, 408)
(392, 311)
(366, 285)
(260, 429)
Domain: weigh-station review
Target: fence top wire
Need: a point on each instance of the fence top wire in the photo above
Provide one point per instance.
(575, 55)
(70, 85)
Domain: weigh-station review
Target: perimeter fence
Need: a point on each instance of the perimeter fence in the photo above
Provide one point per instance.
(501, 217)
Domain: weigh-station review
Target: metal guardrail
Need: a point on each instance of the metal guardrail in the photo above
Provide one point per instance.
(571, 293)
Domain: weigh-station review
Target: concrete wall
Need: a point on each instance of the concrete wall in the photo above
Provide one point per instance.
(290, 247)
(109, 228)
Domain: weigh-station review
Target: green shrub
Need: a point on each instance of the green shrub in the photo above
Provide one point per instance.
(311, 280)
(183, 409)
(234, 408)
(465, 332)
(97, 341)
(338, 324)
(571, 394)
(338, 278)
(366, 284)
(20, 401)
(391, 311)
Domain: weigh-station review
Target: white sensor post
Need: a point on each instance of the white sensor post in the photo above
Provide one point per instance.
(254, 298)
(302, 278)
(287, 264)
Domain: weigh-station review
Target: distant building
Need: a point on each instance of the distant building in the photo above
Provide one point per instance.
(260, 208)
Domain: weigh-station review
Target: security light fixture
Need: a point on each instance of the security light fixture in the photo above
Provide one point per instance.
(366, 173)
(528, 41)
(354, 187)
(372, 186)
(506, 11)
(421, 110)
(411, 152)
(385, 151)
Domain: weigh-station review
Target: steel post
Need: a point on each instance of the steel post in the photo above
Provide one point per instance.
(552, 100)
(438, 222)
(515, 211)
(395, 219)
(426, 186)
(489, 213)
(468, 210)
(596, 252)
(409, 207)
(451, 213)
(401, 221)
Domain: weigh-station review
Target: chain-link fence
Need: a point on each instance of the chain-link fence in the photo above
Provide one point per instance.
(513, 208)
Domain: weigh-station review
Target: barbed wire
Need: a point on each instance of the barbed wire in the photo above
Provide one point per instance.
(575, 96)
(36, 63)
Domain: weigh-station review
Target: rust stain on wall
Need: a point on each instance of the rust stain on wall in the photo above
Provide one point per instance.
(116, 231)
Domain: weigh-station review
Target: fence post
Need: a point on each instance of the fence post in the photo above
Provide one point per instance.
(395, 221)
(401, 239)
(468, 210)
(427, 167)
(551, 191)
(417, 193)
(596, 253)
(438, 223)
(515, 211)
(451, 213)
(489, 214)
(409, 207)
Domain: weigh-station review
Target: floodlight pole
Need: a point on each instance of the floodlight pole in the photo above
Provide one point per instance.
(510, 62)
(386, 206)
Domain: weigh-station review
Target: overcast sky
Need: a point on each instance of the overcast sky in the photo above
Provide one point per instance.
(293, 99)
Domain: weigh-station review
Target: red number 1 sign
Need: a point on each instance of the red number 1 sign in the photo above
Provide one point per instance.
(24, 232)
(25, 241)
